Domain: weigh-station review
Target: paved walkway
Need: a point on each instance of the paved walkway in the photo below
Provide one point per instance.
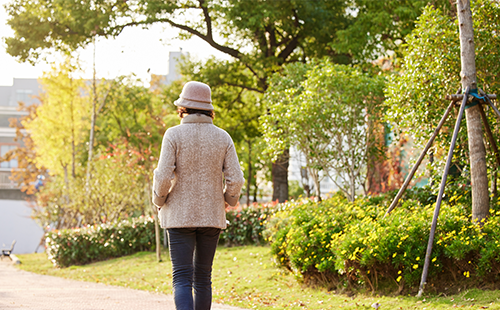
(24, 290)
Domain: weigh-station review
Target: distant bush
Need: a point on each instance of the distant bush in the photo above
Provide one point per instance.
(245, 225)
(100, 242)
(342, 244)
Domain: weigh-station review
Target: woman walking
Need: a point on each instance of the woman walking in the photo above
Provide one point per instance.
(196, 159)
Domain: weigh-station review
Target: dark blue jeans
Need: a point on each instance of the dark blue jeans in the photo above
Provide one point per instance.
(192, 252)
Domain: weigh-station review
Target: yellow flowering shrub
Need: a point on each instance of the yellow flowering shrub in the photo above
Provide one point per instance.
(352, 244)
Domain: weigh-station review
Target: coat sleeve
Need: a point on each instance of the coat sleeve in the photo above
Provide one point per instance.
(233, 175)
(164, 173)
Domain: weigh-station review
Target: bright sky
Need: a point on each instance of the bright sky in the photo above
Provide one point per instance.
(135, 51)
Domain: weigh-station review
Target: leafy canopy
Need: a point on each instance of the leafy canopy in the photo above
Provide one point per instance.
(61, 123)
(262, 34)
(430, 69)
(326, 117)
(377, 27)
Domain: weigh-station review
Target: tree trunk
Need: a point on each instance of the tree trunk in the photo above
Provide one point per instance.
(92, 126)
(73, 147)
(477, 152)
(280, 177)
(317, 186)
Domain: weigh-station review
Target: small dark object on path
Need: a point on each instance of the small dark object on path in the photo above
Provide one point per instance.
(7, 252)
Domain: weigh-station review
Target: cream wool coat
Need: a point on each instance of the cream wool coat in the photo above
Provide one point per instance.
(188, 182)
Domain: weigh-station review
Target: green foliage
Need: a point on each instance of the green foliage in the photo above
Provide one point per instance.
(245, 225)
(130, 123)
(260, 36)
(62, 25)
(100, 242)
(136, 118)
(280, 97)
(59, 128)
(340, 243)
(235, 97)
(117, 191)
(430, 69)
(295, 190)
(274, 30)
(123, 237)
(324, 110)
(376, 27)
(278, 26)
(238, 105)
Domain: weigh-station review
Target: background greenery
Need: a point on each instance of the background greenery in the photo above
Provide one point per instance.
(301, 73)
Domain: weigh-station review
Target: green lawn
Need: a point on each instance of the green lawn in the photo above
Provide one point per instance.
(247, 277)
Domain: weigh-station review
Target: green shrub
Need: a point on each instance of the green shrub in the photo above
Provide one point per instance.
(100, 242)
(245, 225)
(342, 244)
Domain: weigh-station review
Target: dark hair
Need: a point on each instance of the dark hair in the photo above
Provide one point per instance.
(182, 111)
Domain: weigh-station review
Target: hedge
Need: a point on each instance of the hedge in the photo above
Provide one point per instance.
(245, 225)
(100, 242)
(342, 244)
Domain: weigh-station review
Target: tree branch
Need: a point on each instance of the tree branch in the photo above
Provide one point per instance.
(245, 87)
(262, 81)
(289, 48)
(260, 37)
(272, 38)
(208, 19)
(225, 49)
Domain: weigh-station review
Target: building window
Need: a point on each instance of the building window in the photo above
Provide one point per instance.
(24, 95)
(4, 148)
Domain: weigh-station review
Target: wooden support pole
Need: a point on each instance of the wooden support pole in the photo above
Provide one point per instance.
(430, 243)
(419, 160)
(491, 104)
(489, 134)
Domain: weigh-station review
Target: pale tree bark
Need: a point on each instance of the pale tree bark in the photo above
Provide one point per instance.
(477, 151)
(314, 173)
(92, 123)
(95, 112)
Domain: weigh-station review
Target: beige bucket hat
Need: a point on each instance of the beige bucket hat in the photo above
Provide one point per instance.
(195, 95)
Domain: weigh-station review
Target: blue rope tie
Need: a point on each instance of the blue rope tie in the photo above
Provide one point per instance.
(474, 93)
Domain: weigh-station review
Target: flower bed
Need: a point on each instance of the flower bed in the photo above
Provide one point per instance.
(337, 243)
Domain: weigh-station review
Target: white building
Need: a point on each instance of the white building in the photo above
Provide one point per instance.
(174, 58)
(15, 221)
(297, 172)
